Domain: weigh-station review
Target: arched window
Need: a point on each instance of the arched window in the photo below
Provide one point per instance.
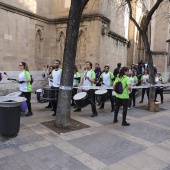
(81, 48)
(60, 46)
(38, 50)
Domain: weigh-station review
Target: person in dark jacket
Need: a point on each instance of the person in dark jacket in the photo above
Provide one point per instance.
(98, 72)
(116, 70)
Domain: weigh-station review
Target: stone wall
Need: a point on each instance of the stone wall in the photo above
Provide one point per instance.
(22, 39)
(34, 31)
(160, 32)
(38, 7)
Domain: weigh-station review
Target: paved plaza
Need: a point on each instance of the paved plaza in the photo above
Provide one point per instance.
(145, 145)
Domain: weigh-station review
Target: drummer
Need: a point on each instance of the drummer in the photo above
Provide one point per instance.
(88, 81)
(24, 80)
(76, 81)
(107, 79)
(56, 77)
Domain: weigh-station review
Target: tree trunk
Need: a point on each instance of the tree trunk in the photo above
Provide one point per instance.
(150, 68)
(65, 92)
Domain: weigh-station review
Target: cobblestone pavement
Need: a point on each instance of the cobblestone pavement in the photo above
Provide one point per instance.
(145, 145)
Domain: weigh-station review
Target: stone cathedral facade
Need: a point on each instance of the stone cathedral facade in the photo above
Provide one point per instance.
(34, 31)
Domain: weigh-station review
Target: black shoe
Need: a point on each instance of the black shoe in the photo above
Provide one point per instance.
(54, 114)
(77, 110)
(29, 114)
(52, 110)
(141, 101)
(94, 114)
(161, 101)
(72, 104)
(48, 106)
(115, 121)
(125, 124)
(101, 107)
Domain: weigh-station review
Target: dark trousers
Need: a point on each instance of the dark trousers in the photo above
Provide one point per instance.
(159, 91)
(74, 92)
(132, 97)
(91, 99)
(54, 102)
(111, 99)
(28, 97)
(143, 93)
(118, 103)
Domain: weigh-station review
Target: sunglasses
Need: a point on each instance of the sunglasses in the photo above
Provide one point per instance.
(56, 63)
(20, 65)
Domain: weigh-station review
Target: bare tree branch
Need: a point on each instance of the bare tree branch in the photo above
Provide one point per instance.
(131, 16)
(150, 13)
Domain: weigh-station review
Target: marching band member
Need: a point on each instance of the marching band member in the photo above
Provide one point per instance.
(133, 82)
(56, 76)
(145, 81)
(24, 80)
(122, 98)
(76, 81)
(88, 81)
(50, 83)
(159, 89)
(107, 79)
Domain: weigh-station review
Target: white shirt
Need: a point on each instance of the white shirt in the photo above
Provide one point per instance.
(132, 81)
(50, 82)
(106, 78)
(74, 80)
(157, 81)
(144, 77)
(23, 86)
(86, 82)
(56, 74)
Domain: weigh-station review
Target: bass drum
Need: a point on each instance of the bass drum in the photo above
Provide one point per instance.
(101, 96)
(81, 99)
(50, 93)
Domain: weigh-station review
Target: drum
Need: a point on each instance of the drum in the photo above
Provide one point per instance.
(50, 93)
(15, 94)
(101, 96)
(81, 99)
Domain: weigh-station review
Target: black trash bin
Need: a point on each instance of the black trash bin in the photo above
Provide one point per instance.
(10, 108)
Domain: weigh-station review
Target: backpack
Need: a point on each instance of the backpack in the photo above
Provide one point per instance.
(32, 79)
(119, 87)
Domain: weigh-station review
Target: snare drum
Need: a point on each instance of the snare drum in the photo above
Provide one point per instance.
(81, 99)
(15, 94)
(101, 96)
(49, 93)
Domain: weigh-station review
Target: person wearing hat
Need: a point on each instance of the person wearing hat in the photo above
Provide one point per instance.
(24, 80)
(107, 79)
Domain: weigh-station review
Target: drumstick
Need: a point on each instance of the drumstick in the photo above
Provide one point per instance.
(9, 78)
